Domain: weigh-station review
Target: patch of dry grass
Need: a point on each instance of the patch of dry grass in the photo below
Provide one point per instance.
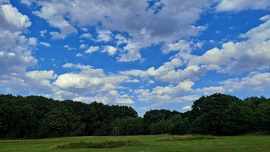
(186, 137)
(105, 144)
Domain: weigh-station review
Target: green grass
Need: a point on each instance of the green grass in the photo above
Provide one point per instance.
(151, 143)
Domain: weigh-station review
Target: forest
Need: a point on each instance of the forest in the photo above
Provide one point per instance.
(218, 114)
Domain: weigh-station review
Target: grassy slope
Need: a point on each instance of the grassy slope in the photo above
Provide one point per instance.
(220, 144)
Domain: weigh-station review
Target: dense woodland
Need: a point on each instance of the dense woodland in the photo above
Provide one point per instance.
(218, 114)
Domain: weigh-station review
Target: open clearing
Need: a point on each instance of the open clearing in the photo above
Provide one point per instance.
(151, 143)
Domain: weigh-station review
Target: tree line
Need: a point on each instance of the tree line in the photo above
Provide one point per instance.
(217, 114)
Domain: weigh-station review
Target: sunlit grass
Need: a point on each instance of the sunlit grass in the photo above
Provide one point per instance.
(150, 143)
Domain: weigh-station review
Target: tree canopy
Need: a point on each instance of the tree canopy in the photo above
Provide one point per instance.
(217, 114)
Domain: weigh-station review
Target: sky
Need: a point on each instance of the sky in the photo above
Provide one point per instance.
(147, 54)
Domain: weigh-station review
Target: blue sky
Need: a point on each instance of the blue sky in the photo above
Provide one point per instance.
(148, 54)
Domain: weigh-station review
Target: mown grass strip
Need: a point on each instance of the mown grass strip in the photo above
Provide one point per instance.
(105, 144)
(186, 137)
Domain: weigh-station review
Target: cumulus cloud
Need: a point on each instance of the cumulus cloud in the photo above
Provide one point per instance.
(69, 48)
(166, 94)
(92, 49)
(41, 74)
(181, 45)
(27, 2)
(15, 54)
(88, 84)
(110, 50)
(85, 69)
(45, 44)
(42, 33)
(11, 19)
(131, 52)
(86, 36)
(211, 90)
(15, 49)
(79, 55)
(83, 46)
(170, 72)
(41, 80)
(172, 93)
(85, 99)
(187, 108)
(104, 36)
(124, 100)
(165, 21)
(243, 56)
(254, 81)
(52, 12)
(238, 5)
(57, 35)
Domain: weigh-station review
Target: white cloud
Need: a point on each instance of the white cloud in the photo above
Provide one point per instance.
(57, 35)
(42, 33)
(15, 53)
(16, 50)
(265, 18)
(12, 19)
(89, 84)
(83, 46)
(32, 41)
(86, 36)
(104, 36)
(84, 29)
(237, 57)
(72, 80)
(254, 81)
(40, 80)
(53, 13)
(124, 28)
(45, 44)
(124, 100)
(185, 85)
(170, 72)
(211, 90)
(85, 69)
(84, 99)
(132, 54)
(27, 2)
(79, 55)
(166, 94)
(41, 74)
(133, 81)
(69, 48)
(92, 49)
(187, 108)
(135, 19)
(181, 45)
(110, 50)
(121, 39)
(238, 5)
(112, 97)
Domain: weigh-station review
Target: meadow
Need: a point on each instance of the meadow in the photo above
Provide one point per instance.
(145, 143)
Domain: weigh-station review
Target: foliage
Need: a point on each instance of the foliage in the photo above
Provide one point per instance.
(217, 114)
(221, 114)
(40, 117)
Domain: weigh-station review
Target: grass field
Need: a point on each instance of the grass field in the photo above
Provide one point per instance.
(166, 143)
